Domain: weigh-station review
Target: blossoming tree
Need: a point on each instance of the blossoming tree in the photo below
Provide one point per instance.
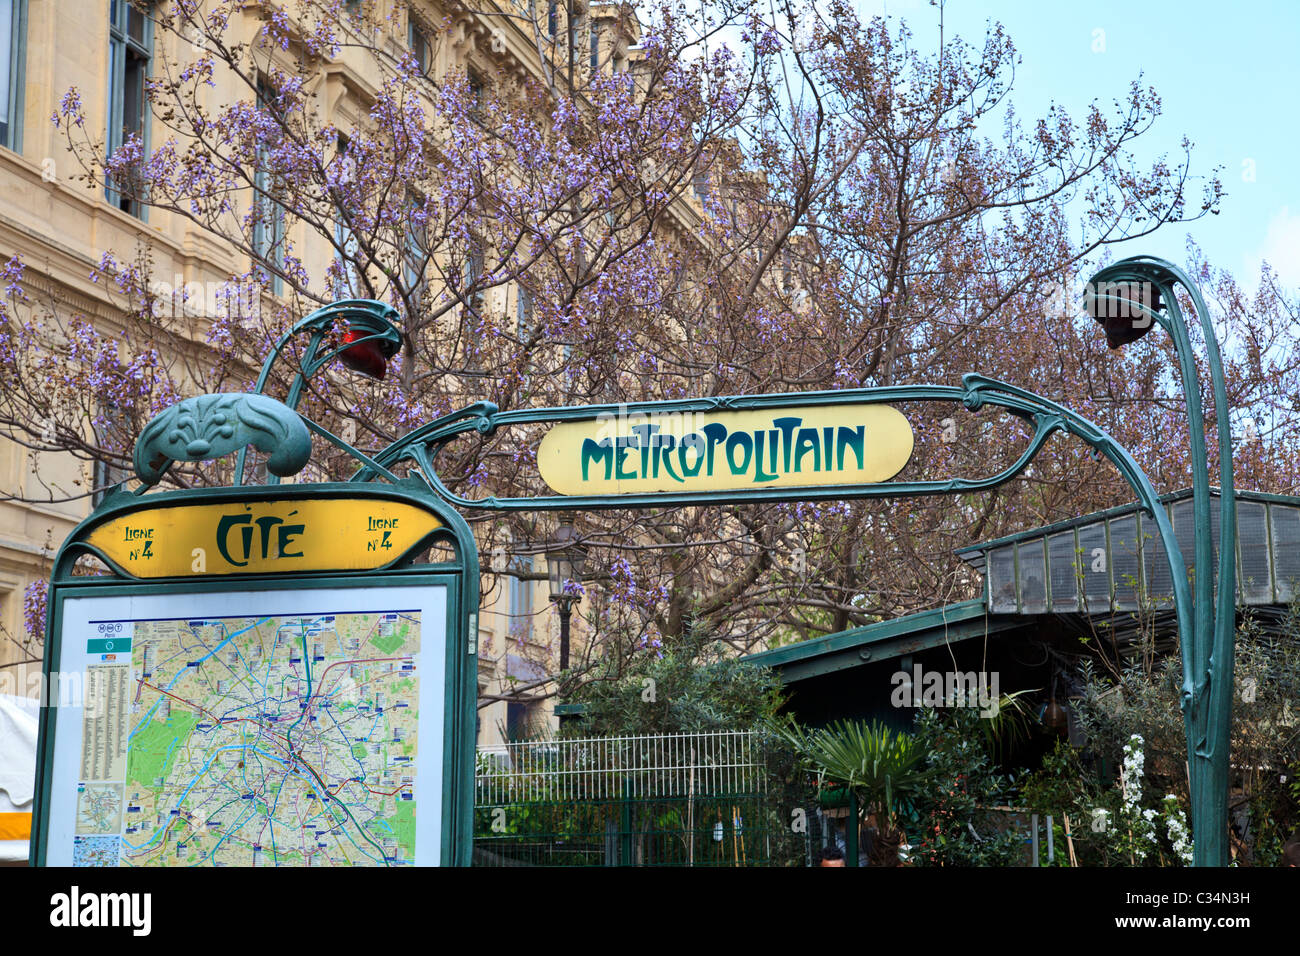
(741, 202)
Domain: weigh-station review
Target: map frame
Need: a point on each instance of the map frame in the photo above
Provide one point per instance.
(413, 566)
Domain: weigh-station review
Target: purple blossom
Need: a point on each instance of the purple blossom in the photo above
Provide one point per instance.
(35, 603)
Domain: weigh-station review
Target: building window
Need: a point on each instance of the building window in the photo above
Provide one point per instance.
(13, 49)
(552, 18)
(595, 48)
(473, 274)
(130, 45)
(524, 328)
(473, 297)
(107, 477)
(418, 40)
(348, 283)
(520, 718)
(112, 434)
(700, 183)
(416, 256)
(521, 602)
(524, 314)
(269, 215)
(477, 97)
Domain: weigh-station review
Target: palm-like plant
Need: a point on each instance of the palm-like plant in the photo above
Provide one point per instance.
(884, 767)
(1011, 722)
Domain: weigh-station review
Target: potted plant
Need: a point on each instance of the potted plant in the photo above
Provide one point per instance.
(882, 767)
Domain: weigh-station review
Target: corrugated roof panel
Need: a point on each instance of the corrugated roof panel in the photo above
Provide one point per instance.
(1126, 568)
(1120, 557)
(1159, 582)
(1063, 571)
(1096, 567)
(1214, 539)
(1255, 574)
(1184, 522)
(1002, 580)
(1033, 578)
(1286, 551)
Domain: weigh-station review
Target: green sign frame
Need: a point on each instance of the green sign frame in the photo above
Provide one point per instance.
(460, 577)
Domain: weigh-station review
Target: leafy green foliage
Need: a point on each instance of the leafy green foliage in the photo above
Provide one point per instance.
(1011, 725)
(696, 686)
(1265, 733)
(950, 822)
(693, 688)
(885, 767)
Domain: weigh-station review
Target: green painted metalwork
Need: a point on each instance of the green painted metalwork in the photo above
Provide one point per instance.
(210, 426)
(460, 576)
(422, 446)
(370, 316)
(976, 392)
(694, 799)
(1207, 646)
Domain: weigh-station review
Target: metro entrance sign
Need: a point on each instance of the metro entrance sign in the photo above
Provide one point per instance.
(726, 451)
(317, 602)
(282, 535)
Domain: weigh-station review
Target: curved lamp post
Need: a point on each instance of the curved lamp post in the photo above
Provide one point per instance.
(1128, 298)
(370, 339)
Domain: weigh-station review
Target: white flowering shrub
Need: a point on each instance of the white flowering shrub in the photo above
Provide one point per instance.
(1138, 832)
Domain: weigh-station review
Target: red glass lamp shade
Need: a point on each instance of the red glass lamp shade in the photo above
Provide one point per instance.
(369, 358)
(364, 357)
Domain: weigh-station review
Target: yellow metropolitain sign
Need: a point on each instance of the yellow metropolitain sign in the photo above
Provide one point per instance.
(645, 453)
(263, 537)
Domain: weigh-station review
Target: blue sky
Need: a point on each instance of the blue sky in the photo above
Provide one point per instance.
(1229, 79)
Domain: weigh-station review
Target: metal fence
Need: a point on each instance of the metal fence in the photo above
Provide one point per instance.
(674, 800)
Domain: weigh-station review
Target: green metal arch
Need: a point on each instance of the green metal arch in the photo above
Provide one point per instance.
(976, 391)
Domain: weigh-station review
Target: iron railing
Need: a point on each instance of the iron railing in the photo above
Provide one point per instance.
(671, 800)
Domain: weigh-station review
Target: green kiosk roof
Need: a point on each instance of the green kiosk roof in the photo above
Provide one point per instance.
(885, 639)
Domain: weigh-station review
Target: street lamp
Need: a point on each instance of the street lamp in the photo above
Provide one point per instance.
(370, 339)
(368, 343)
(564, 560)
(1125, 311)
(1127, 298)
